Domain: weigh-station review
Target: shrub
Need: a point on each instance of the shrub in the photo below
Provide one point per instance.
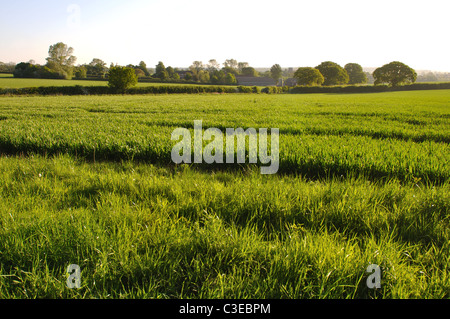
(121, 78)
(45, 73)
(25, 70)
(28, 70)
(274, 90)
(245, 89)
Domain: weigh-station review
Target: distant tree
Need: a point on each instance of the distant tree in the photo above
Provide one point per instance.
(97, 68)
(289, 72)
(443, 76)
(45, 73)
(333, 73)
(355, 73)
(230, 79)
(218, 77)
(249, 71)
(61, 54)
(139, 72)
(170, 71)
(143, 67)
(161, 72)
(308, 76)
(61, 59)
(370, 79)
(232, 64)
(80, 72)
(213, 66)
(230, 70)
(276, 72)
(265, 73)
(175, 76)
(242, 65)
(121, 78)
(395, 74)
(214, 79)
(188, 76)
(197, 66)
(203, 76)
(8, 67)
(427, 77)
(28, 70)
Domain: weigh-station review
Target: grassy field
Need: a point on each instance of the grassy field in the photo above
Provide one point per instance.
(88, 180)
(7, 81)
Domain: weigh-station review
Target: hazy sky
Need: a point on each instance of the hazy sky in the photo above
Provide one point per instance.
(291, 33)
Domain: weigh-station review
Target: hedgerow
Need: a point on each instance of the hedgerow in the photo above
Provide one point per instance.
(196, 89)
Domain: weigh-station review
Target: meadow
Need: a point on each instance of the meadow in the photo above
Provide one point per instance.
(88, 180)
(7, 81)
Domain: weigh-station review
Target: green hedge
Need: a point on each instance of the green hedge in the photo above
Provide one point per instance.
(195, 89)
(103, 90)
(369, 88)
(179, 89)
(275, 89)
(58, 90)
(245, 89)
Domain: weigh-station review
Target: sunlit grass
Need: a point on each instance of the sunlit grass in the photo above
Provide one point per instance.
(7, 81)
(142, 231)
(364, 179)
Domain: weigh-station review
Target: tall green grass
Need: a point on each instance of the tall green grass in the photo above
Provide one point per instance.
(381, 136)
(142, 231)
(88, 180)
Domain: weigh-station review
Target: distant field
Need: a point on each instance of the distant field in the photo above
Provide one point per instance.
(7, 81)
(364, 179)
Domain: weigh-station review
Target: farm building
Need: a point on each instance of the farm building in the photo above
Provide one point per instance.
(255, 81)
(290, 82)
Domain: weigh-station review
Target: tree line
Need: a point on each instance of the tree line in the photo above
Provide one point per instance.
(61, 64)
(330, 73)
